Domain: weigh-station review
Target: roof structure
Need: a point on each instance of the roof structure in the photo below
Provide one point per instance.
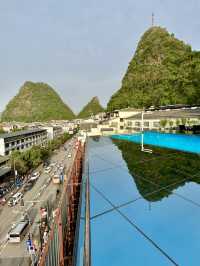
(4, 171)
(182, 113)
(19, 133)
(4, 159)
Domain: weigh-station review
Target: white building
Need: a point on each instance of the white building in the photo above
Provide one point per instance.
(21, 140)
(53, 132)
(116, 120)
(163, 119)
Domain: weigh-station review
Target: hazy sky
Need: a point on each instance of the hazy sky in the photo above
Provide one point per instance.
(82, 47)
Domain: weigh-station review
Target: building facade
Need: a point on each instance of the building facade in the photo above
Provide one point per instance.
(163, 119)
(21, 140)
(53, 132)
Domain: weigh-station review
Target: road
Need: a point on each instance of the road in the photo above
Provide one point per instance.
(42, 192)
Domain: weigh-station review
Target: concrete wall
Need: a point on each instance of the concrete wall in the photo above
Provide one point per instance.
(2, 147)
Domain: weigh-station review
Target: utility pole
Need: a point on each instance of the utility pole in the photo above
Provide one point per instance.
(152, 20)
(15, 172)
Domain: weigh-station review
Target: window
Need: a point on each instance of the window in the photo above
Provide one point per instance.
(156, 124)
(129, 123)
(114, 124)
(146, 124)
(121, 119)
(121, 127)
(137, 124)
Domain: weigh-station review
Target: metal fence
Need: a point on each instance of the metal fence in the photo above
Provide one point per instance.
(59, 247)
(82, 243)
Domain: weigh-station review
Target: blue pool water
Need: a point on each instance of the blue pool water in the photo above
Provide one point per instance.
(156, 193)
(188, 143)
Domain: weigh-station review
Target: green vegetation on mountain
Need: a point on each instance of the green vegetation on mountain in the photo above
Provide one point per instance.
(163, 71)
(36, 102)
(158, 174)
(92, 108)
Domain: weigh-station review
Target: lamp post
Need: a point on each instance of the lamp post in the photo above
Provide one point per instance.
(15, 171)
(142, 135)
(142, 130)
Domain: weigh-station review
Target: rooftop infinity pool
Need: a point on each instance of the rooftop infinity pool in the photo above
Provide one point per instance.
(145, 208)
(188, 143)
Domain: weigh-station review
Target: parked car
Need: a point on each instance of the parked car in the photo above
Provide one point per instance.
(15, 199)
(35, 176)
(47, 170)
(52, 164)
(2, 191)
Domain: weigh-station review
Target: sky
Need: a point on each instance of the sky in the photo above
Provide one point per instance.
(82, 47)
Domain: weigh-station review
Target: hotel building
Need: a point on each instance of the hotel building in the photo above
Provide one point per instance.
(21, 140)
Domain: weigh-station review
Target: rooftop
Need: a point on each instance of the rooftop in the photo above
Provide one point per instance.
(19, 133)
(164, 114)
(4, 171)
(3, 159)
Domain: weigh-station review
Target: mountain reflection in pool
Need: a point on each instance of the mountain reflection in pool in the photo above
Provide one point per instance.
(163, 171)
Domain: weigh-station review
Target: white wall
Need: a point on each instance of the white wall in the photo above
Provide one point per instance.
(2, 147)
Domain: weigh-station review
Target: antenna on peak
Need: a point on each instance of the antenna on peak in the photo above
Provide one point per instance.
(152, 19)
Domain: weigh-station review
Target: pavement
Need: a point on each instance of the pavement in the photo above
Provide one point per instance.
(42, 192)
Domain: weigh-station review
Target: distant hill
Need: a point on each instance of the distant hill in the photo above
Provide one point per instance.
(92, 108)
(36, 102)
(164, 70)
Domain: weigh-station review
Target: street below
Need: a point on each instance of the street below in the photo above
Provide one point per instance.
(44, 192)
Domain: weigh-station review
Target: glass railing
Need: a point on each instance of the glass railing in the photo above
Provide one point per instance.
(81, 256)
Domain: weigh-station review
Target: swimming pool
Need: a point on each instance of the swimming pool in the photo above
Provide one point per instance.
(144, 207)
(188, 143)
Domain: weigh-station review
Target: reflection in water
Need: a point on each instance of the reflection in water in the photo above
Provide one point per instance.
(158, 174)
(95, 138)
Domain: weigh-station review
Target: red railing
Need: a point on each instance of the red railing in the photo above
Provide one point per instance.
(59, 248)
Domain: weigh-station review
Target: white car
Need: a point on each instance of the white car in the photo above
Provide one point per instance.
(35, 176)
(15, 199)
(69, 155)
(47, 170)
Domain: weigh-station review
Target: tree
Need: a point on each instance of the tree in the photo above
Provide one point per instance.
(177, 122)
(18, 163)
(171, 123)
(163, 123)
(183, 121)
